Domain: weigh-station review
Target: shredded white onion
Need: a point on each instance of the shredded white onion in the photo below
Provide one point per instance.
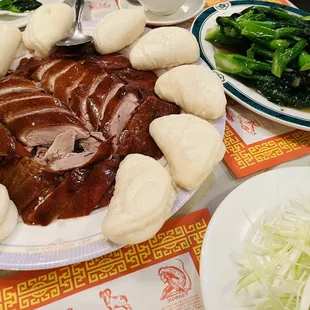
(276, 269)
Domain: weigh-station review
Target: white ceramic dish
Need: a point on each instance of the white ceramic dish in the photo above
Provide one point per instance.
(241, 93)
(69, 241)
(190, 9)
(230, 224)
(20, 19)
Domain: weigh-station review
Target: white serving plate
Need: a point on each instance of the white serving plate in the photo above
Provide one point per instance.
(20, 19)
(246, 96)
(69, 241)
(230, 224)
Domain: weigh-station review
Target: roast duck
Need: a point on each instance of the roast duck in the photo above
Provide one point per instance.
(66, 123)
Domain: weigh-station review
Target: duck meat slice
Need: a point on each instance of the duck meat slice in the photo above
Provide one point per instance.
(68, 81)
(148, 110)
(93, 76)
(43, 128)
(137, 142)
(7, 165)
(140, 122)
(27, 180)
(90, 193)
(25, 167)
(110, 62)
(13, 84)
(97, 102)
(142, 79)
(136, 138)
(12, 97)
(44, 66)
(34, 186)
(51, 74)
(27, 67)
(61, 156)
(27, 212)
(106, 198)
(56, 202)
(9, 146)
(119, 110)
(21, 108)
(62, 145)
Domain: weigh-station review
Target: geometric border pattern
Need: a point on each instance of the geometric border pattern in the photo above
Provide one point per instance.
(245, 159)
(30, 290)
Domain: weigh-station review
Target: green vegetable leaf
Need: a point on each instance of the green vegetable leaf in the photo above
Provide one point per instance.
(19, 6)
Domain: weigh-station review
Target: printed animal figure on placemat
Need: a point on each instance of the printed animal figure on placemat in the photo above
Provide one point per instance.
(177, 280)
(248, 121)
(114, 302)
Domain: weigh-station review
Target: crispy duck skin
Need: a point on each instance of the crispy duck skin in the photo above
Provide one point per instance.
(94, 74)
(43, 128)
(119, 110)
(106, 198)
(135, 137)
(151, 108)
(9, 146)
(76, 196)
(87, 52)
(26, 180)
(66, 82)
(90, 193)
(42, 68)
(52, 73)
(14, 84)
(97, 102)
(27, 67)
(19, 96)
(132, 142)
(57, 202)
(17, 109)
(110, 62)
(81, 113)
(7, 165)
(143, 79)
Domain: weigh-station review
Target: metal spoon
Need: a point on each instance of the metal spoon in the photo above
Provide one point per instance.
(77, 36)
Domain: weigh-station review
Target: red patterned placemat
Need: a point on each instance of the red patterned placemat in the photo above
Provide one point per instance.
(177, 243)
(254, 143)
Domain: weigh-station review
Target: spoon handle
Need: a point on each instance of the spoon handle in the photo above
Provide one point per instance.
(79, 4)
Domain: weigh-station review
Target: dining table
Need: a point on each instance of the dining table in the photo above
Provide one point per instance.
(222, 181)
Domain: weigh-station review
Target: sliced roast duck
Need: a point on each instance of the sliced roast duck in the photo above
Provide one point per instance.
(66, 123)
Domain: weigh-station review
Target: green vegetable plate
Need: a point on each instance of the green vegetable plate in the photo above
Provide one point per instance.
(266, 55)
(17, 12)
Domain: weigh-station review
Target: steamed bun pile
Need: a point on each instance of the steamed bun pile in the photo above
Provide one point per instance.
(142, 201)
(49, 24)
(8, 214)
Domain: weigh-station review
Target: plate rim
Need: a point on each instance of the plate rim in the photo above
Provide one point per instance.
(172, 22)
(230, 89)
(22, 20)
(214, 221)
